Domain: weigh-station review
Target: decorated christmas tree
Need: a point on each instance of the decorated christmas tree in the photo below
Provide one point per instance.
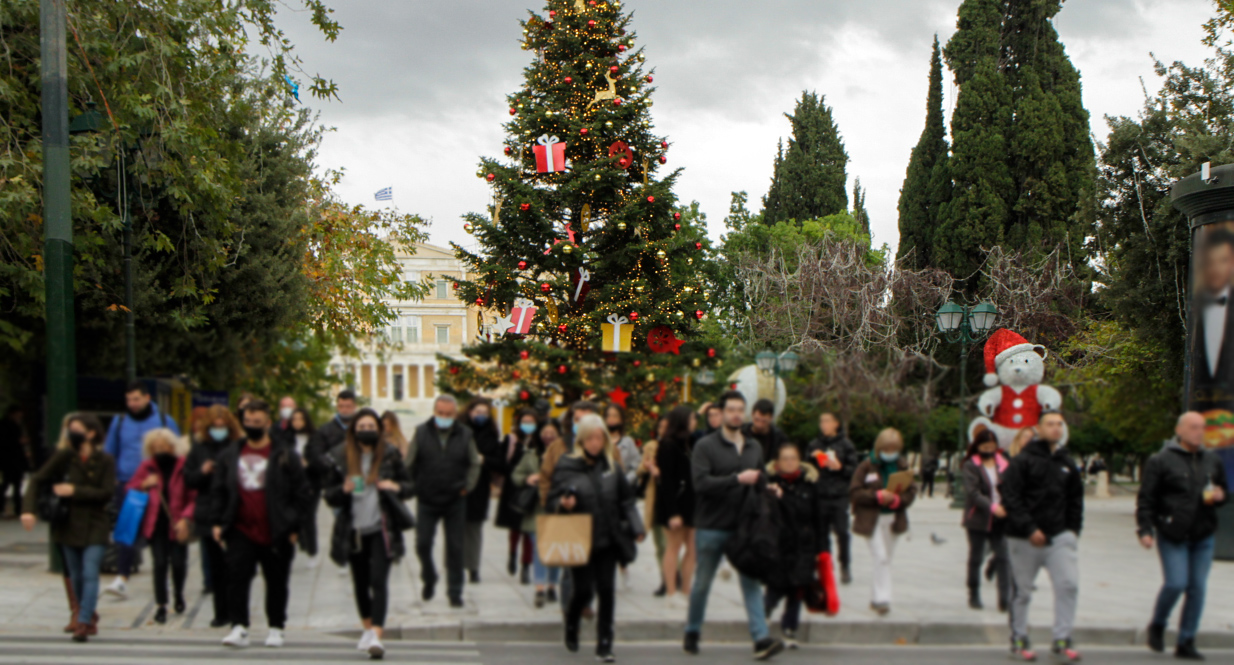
(595, 278)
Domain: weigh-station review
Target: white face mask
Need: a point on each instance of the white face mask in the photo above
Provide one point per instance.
(285, 412)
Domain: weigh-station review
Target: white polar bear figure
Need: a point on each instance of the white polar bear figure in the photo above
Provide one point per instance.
(1016, 397)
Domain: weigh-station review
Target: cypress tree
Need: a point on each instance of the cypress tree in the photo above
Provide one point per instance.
(926, 184)
(859, 209)
(811, 175)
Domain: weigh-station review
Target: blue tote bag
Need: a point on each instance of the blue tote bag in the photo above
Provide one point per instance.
(132, 513)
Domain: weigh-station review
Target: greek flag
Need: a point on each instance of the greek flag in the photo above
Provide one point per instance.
(386, 194)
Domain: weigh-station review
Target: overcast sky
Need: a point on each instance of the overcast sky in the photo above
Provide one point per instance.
(423, 87)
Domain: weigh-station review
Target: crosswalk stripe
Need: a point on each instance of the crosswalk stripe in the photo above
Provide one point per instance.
(177, 647)
(246, 656)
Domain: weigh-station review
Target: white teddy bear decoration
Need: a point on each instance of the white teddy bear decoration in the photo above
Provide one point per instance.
(1016, 397)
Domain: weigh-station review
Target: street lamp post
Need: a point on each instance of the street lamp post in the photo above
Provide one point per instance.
(770, 363)
(964, 325)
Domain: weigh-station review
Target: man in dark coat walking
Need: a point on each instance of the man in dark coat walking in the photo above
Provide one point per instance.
(835, 457)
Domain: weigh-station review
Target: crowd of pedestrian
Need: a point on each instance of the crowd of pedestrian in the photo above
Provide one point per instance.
(723, 482)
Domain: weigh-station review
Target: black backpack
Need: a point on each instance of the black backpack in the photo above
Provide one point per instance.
(755, 547)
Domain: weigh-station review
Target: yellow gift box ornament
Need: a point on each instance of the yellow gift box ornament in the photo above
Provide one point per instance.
(617, 333)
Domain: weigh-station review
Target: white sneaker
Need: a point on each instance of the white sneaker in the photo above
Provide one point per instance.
(275, 639)
(376, 650)
(118, 588)
(626, 585)
(238, 637)
(365, 640)
(314, 561)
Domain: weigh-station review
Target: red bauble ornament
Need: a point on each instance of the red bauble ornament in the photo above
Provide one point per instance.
(524, 395)
(676, 379)
(516, 375)
(479, 301)
(509, 150)
(677, 227)
(621, 48)
(677, 216)
(699, 314)
(523, 355)
(525, 207)
(592, 3)
(637, 363)
(650, 78)
(491, 177)
(546, 287)
(633, 316)
(454, 370)
(569, 80)
(711, 353)
(552, 13)
(698, 245)
(522, 265)
(617, 102)
(591, 24)
(562, 328)
(583, 131)
(663, 159)
(651, 199)
(623, 163)
(456, 286)
(664, 144)
(614, 69)
(562, 369)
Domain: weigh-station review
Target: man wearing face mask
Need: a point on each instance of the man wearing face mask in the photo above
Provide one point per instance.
(260, 499)
(124, 442)
(445, 466)
(222, 432)
(329, 436)
(1043, 496)
(281, 432)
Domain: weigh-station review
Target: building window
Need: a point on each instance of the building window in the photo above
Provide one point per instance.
(413, 335)
(443, 289)
(443, 335)
(398, 383)
(396, 334)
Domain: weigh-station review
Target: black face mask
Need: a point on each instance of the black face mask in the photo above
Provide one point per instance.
(368, 438)
(986, 454)
(163, 458)
(614, 428)
(144, 412)
(77, 439)
(254, 433)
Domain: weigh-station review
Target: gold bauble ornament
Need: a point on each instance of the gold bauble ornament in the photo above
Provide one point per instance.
(661, 255)
(650, 377)
(543, 366)
(588, 65)
(621, 226)
(719, 363)
(696, 362)
(597, 176)
(639, 288)
(680, 314)
(690, 261)
(468, 228)
(479, 174)
(688, 290)
(609, 124)
(568, 249)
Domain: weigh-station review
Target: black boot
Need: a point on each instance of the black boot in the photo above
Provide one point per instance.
(662, 591)
(512, 564)
(1156, 638)
(846, 575)
(1186, 651)
(572, 638)
(604, 649)
(974, 599)
(473, 576)
(524, 576)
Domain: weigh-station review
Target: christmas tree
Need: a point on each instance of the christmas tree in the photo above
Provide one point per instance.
(596, 279)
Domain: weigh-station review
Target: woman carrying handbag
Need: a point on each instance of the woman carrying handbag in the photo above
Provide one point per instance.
(166, 525)
(367, 484)
(589, 481)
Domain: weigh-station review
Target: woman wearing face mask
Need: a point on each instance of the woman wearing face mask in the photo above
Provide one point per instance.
(392, 432)
(84, 478)
(478, 416)
(199, 466)
(880, 515)
(588, 480)
(367, 483)
(169, 512)
(527, 474)
(984, 516)
(513, 450)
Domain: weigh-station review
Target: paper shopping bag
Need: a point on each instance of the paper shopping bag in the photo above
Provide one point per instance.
(563, 540)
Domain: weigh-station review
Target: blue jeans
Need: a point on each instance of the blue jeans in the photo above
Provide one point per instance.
(1186, 567)
(83, 565)
(709, 547)
(541, 574)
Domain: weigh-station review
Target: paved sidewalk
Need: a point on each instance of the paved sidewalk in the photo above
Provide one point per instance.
(1119, 581)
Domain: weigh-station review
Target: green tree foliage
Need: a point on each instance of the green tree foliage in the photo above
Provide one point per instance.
(227, 213)
(1022, 162)
(860, 214)
(927, 185)
(810, 177)
(648, 261)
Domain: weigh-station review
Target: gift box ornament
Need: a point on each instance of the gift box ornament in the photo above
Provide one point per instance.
(550, 154)
(522, 314)
(617, 334)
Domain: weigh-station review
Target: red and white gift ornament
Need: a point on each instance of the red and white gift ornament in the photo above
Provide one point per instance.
(581, 279)
(521, 315)
(550, 154)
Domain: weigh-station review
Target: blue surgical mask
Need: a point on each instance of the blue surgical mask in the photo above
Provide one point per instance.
(218, 433)
(889, 457)
(527, 428)
(480, 419)
(443, 423)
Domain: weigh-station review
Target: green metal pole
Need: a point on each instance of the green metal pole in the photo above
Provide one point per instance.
(957, 484)
(57, 224)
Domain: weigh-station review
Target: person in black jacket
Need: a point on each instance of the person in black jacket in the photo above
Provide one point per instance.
(222, 432)
(723, 465)
(985, 516)
(1043, 495)
(674, 502)
(366, 484)
(835, 477)
(281, 432)
(521, 439)
(478, 417)
(329, 436)
(803, 535)
(762, 428)
(259, 501)
(589, 480)
(445, 466)
(1182, 487)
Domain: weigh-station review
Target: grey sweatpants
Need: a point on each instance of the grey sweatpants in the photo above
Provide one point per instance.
(1061, 559)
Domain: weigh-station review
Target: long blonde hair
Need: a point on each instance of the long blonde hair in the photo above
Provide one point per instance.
(584, 428)
(1020, 440)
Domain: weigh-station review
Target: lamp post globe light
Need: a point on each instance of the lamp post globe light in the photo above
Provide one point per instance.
(964, 325)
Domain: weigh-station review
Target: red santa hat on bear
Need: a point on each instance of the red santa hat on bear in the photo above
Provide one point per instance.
(1002, 345)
